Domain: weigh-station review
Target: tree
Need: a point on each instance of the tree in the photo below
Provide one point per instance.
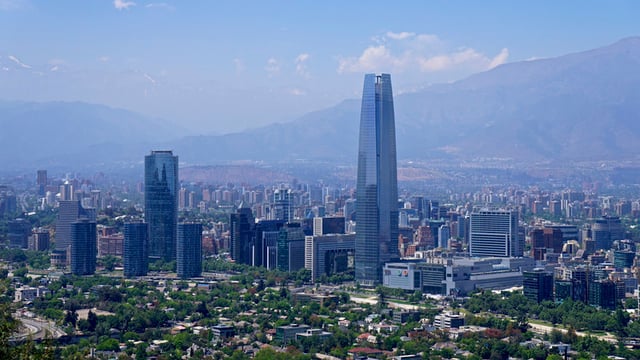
(92, 319)
(108, 345)
(8, 325)
(71, 317)
(202, 309)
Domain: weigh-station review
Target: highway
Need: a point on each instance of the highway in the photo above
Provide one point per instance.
(38, 329)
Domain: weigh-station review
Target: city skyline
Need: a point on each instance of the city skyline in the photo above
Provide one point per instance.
(197, 63)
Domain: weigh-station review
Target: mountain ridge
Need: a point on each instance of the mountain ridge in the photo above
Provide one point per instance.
(574, 107)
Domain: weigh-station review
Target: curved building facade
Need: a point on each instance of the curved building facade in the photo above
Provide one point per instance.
(377, 186)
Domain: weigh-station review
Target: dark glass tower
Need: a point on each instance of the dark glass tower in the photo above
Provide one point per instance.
(241, 233)
(84, 247)
(189, 250)
(161, 203)
(377, 185)
(136, 244)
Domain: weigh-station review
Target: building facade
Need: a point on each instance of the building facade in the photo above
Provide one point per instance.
(377, 185)
(189, 250)
(161, 203)
(69, 211)
(328, 254)
(136, 247)
(495, 233)
(83, 247)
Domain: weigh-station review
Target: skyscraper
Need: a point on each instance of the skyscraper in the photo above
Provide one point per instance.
(135, 252)
(69, 211)
(495, 233)
(84, 247)
(377, 186)
(189, 250)
(241, 233)
(161, 203)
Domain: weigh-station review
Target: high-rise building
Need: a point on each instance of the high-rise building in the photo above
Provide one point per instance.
(283, 204)
(537, 285)
(189, 250)
(84, 247)
(41, 181)
(69, 211)
(161, 203)
(136, 245)
(328, 254)
(241, 233)
(377, 185)
(39, 241)
(494, 233)
(290, 248)
(265, 248)
(18, 232)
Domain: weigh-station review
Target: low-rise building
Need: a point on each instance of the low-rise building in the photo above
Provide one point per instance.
(284, 334)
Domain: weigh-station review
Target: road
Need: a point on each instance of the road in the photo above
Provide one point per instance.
(546, 329)
(38, 329)
(374, 300)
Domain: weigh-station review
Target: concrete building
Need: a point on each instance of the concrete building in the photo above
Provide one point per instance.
(495, 233)
(329, 254)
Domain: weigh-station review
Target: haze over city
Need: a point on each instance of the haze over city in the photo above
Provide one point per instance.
(223, 66)
(319, 180)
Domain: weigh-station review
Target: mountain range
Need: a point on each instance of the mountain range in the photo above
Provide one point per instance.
(581, 106)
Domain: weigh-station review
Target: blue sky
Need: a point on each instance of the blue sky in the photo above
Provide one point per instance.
(222, 66)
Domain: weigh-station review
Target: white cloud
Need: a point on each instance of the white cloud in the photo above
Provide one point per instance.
(123, 4)
(373, 58)
(239, 64)
(104, 59)
(273, 67)
(426, 53)
(301, 66)
(161, 5)
(297, 92)
(499, 59)
(151, 80)
(18, 62)
(400, 36)
(8, 5)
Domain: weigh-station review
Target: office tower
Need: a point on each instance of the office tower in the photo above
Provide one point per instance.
(40, 240)
(18, 232)
(66, 191)
(265, 246)
(290, 248)
(537, 285)
(136, 247)
(328, 225)
(161, 203)
(241, 233)
(41, 181)
(377, 186)
(189, 250)
(494, 233)
(328, 254)
(605, 230)
(283, 204)
(69, 211)
(84, 248)
(444, 233)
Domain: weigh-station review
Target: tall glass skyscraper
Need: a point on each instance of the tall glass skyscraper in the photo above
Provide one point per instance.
(161, 203)
(377, 185)
(84, 247)
(189, 250)
(136, 244)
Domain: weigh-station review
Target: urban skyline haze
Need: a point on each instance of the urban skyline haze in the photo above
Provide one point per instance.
(199, 63)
